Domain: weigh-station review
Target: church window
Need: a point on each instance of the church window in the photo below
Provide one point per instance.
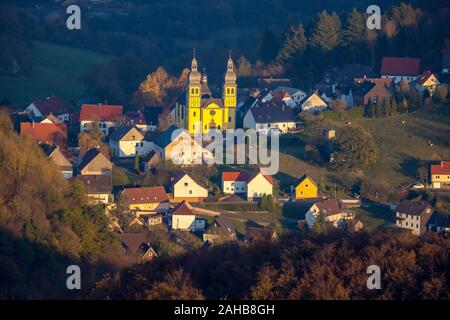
(195, 113)
(229, 119)
(228, 90)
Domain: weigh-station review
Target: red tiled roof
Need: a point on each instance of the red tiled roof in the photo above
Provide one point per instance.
(184, 209)
(268, 178)
(101, 112)
(234, 176)
(397, 66)
(50, 105)
(50, 133)
(145, 195)
(443, 168)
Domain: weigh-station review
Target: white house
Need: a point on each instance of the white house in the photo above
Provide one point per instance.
(186, 189)
(107, 116)
(268, 116)
(259, 185)
(254, 186)
(127, 141)
(427, 81)
(334, 211)
(400, 68)
(178, 146)
(295, 94)
(184, 218)
(64, 165)
(313, 103)
(234, 182)
(42, 108)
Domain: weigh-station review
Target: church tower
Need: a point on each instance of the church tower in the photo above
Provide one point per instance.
(194, 97)
(230, 94)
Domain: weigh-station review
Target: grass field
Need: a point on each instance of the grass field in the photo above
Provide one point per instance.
(404, 142)
(56, 70)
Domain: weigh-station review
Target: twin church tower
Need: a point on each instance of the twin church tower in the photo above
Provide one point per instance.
(199, 111)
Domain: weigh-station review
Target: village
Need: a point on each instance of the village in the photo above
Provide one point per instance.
(123, 159)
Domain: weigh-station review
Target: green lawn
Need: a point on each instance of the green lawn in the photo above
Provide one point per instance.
(374, 217)
(56, 70)
(402, 140)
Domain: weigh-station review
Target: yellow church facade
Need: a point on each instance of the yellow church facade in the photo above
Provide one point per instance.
(199, 111)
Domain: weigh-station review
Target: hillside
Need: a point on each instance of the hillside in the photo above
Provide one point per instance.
(56, 70)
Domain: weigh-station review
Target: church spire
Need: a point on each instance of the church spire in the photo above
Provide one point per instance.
(230, 75)
(194, 75)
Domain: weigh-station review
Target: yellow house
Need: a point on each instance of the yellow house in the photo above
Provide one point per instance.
(198, 111)
(427, 81)
(440, 175)
(145, 201)
(306, 188)
(313, 103)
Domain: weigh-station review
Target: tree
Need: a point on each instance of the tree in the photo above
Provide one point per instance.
(321, 225)
(327, 33)
(394, 106)
(403, 87)
(244, 67)
(269, 46)
(294, 45)
(440, 94)
(422, 174)
(136, 163)
(355, 31)
(355, 149)
(263, 202)
(92, 137)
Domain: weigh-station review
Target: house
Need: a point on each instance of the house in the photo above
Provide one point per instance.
(333, 210)
(268, 116)
(413, 215)
(95, 163)
(137, 245)
(259, 185)
(440, 175)
(306, 188)
(367, 92)
(427, 82)
(296, 95)
(329, 134)
(146, 120)
(234, 182)
(400, 68)
(285, 98)
(445, 64)
(97, 188)
(152, 115)
(178, 146)
(127, 141)
(186, 189)
(108, 116)
(50, 119)
(150, 161)
(439, 223)
(146, 201)
(48, 133)
(52, 105)
(254, 235)
(313, 103)
(219, 231)
(184, 218)
(64, 165)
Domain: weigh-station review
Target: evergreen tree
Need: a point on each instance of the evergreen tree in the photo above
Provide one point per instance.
(355, 31)
(136, 162)
(269, 46)
(294, 45)
(393, 106)
(244, 67)
(327, 34)
(263, 203)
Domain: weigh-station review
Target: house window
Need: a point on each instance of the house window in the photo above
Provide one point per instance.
(229, 119)
(190, 191)
(185, 184)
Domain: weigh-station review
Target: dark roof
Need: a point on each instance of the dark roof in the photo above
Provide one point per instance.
(184, 209)
(270, 113)
(96, 183)
(165, 137)
(307, 176)
(135, 242)
(145, 195)
(361, 89)
(351, 71)
(150, 156)
(400, 66)
(415, 208)
(50, 105)
(120, 132)
(331, 207)
(135, 117)
(208, 100)
(221, 225)
(152, 114)
(88, 157)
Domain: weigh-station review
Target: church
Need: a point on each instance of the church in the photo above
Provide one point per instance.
(199, 111)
